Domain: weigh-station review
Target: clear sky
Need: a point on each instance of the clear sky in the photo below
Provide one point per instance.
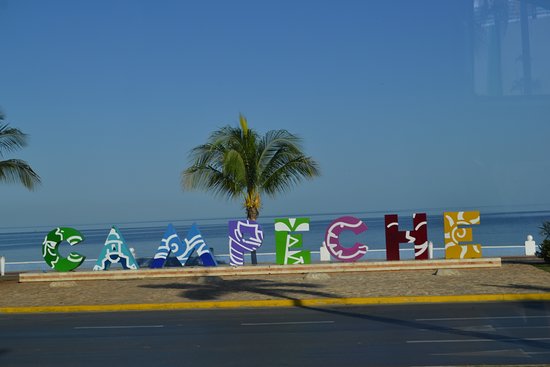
(115, 93)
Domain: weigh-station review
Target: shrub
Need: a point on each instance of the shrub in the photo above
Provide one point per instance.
(544, 251)
(544, 247)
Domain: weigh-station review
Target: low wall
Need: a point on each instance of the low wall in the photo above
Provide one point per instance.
(261, 270)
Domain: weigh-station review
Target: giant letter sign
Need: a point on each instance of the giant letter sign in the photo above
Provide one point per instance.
(332, 241)
(454, 235)
(244, 236)
(115, 251)
(419, 236)
(50, 249)
(172, 243)
(288, 246)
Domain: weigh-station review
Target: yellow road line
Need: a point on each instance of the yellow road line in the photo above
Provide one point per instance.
(279, 303)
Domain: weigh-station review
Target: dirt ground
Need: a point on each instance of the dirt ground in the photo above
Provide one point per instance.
(510, 278)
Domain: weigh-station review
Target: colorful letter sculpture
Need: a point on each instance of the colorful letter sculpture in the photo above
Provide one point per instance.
(50, 250)
(244, 236)
(332, 241)
(454, 235)
(115, 251)
(172, 243)
(288, 246)
(418, 236)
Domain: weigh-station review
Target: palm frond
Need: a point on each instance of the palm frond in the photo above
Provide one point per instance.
(234, 165)
(207, 154)
(275, 141)
(244, 124)
(11, 139)
(210, 179)
(288, 172)
(18, 171)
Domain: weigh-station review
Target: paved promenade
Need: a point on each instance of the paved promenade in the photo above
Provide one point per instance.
(511, 280)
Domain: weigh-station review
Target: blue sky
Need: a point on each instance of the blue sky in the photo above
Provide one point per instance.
(114, 94)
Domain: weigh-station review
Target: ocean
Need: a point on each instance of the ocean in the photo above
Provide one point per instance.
(500, 234)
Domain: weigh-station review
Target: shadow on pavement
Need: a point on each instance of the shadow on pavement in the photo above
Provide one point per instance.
(515, 341)
(520, 286)
(217, 288)
(522, 260)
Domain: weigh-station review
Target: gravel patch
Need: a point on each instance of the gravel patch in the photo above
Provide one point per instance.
(510, 278)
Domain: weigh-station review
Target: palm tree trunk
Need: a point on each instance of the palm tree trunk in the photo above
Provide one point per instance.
(252, 213)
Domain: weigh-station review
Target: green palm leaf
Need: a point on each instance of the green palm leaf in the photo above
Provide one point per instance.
(15, 170)
(18, 171)
(11, 139)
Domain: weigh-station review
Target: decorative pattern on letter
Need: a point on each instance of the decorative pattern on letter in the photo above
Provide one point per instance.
(332, 241)
(115, 251)
(419, 236)
(50, 247)
(454, 235)
(244, 236)
(171, 243)
(288, 246)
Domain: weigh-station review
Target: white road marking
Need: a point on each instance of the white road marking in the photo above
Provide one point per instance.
(522, 327)
(481, 353)
(485, 328)
(448, 341)
(119, 327)
(477, 328)
(473, 340)
(490, 328)
(485, 318)
(286, 323)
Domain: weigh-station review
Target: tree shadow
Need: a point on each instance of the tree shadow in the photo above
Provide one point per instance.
(218, 288)
(522, 260)
(520, 286)
(294, 291)
(515, 341)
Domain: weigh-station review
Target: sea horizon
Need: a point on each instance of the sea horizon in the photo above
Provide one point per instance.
(484, 210)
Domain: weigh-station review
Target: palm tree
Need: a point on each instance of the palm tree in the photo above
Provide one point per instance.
(15, 170)
(239, 163)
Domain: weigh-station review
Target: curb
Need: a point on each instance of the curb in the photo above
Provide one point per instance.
(361, 266)
(314, 302)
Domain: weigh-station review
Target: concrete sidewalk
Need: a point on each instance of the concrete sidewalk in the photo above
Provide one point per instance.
(512, 281)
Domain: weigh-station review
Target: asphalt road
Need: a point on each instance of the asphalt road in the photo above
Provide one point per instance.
(404, 335)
